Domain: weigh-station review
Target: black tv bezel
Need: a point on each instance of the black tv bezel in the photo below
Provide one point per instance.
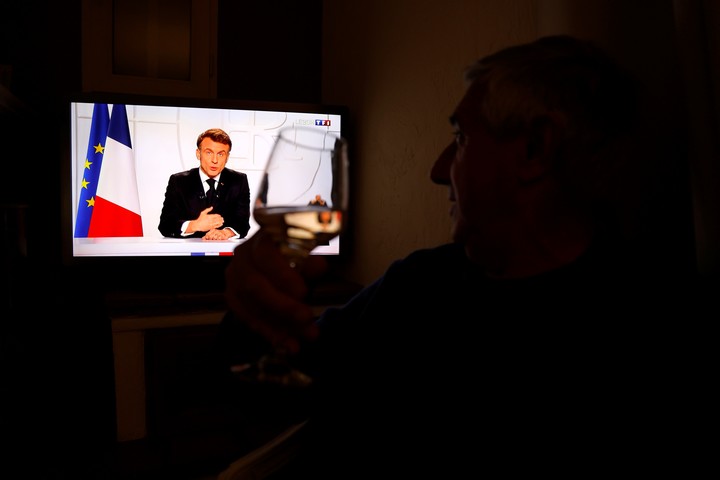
(163, 273)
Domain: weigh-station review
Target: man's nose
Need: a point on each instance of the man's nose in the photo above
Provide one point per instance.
(440, 172)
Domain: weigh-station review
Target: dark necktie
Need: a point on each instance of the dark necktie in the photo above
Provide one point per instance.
(211, 192)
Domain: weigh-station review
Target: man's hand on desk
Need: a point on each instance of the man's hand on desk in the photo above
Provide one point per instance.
(224, 234)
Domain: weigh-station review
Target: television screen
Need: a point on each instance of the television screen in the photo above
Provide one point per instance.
(123, 150)
(115, 178)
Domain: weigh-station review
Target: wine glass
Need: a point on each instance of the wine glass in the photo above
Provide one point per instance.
(302, 202)
(303, 195)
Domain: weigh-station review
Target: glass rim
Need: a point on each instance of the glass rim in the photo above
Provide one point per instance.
(283, 135)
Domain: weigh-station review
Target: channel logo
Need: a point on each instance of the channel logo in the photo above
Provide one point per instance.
(322, 123)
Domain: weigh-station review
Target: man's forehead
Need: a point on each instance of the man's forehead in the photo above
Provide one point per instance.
(468, 109)
(208, 142)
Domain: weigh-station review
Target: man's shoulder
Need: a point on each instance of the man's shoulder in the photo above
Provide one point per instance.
(228, 174)
(193, 172)
(445, 254)
(447, 261)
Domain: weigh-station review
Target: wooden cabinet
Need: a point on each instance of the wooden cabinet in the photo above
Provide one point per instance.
(150, 47)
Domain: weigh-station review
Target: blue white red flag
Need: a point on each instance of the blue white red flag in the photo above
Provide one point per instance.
(117, 202)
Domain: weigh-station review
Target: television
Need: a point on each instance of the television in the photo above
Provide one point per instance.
(134, 173)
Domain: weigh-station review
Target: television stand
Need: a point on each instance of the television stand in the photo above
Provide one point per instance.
(129, 353)
(136, 315)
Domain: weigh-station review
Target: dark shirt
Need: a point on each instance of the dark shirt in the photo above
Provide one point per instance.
(185, 198)
(436, 369)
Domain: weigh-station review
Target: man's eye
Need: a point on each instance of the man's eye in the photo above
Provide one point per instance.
(459, 137)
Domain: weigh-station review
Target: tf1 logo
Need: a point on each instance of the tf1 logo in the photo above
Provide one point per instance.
(322, 123)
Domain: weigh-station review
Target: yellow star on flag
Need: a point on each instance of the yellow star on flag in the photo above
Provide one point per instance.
(91, 202)
(99, 148)
(85, 183)
(87, 163)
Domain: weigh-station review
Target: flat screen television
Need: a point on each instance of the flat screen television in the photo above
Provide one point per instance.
(157, 137)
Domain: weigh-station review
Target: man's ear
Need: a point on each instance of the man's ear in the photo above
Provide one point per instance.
(544, 137)
(197, 153)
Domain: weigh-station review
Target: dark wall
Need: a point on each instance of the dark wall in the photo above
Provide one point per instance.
(56, 403)
(41, 43)
(270, 50)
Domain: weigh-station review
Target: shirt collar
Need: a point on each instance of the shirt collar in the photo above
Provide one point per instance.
(204, 177)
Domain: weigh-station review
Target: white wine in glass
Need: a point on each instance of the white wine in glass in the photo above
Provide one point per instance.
(303, 203)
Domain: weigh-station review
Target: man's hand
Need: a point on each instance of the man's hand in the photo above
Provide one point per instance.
(215, 234)
(266, 294)
(206, 221)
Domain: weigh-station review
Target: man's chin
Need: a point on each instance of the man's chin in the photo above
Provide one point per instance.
(458, 233)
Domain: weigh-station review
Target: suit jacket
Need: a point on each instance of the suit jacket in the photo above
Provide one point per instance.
(185, 198)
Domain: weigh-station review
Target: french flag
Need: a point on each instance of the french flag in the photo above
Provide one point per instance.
(117, 203)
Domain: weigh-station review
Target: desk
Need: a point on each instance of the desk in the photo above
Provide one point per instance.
(161, 246)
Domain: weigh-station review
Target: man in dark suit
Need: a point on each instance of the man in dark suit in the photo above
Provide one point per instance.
(210, 202)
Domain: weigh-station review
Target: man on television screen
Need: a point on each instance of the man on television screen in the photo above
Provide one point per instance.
(209, 202)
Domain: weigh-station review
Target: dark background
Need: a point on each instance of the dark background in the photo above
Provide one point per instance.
(57, 411)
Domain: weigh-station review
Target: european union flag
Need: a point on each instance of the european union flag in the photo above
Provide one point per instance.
(91, 171)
